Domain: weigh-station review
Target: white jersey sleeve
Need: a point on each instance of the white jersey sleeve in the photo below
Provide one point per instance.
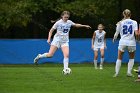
(72, 23)
(55, 25)
(135, 26)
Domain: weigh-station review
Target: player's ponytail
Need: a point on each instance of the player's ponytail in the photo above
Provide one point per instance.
(127, 13)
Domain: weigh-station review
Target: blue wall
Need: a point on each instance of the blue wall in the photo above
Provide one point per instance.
(24, 51)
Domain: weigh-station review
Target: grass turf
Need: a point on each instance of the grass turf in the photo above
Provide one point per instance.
(48, 78)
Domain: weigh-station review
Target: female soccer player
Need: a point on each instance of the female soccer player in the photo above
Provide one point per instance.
(61, 38)
(99, 42)
(127, 28)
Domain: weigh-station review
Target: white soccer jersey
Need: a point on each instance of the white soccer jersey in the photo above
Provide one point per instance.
(63, 29)
(127, 28)
(99, 39)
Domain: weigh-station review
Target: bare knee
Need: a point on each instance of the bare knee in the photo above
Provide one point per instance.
(132, 55)
(120, 55)
(95, 57)
(102, 53)
(66, 56)
(102, 56)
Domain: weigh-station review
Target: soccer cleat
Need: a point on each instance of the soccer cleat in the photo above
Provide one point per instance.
(135, 70)
(115, 75)
(96, 67)
(101, 67)
(137, 80)
(130, 75)
(36, 59)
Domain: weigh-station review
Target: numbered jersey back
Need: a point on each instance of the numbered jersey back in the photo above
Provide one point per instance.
(127, 29)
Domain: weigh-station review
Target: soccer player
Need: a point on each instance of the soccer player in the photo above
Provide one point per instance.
(61, 38)
(138, 71)
(127, 28)
(99, 43)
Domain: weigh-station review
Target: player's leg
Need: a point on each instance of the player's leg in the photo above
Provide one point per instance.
(65, 50)
(102, 58)
(131, 50)
(49, 54)
(138, 80)
(95, 57)
(119, 60)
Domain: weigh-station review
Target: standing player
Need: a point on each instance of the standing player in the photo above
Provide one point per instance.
(99, 43)
(61, 38)
(127, 29)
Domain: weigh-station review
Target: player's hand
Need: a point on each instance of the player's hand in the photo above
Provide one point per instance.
(49, 41)
(87, 26)
(92, 46)
(113, 40)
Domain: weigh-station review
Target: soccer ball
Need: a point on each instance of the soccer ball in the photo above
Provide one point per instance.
(66, 71)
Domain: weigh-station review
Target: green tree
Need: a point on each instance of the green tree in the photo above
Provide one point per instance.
(20, 12)
(16, 12)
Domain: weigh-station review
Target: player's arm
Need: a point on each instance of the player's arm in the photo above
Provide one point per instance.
(50, 35)
(137, 35)
(93, 39)
(105, 41)
(117, 32)
(51, 32)
(136, 31)
(80, 25)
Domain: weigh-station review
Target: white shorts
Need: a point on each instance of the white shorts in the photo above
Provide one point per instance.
(59, 44)
(97, 48)
(129, 48)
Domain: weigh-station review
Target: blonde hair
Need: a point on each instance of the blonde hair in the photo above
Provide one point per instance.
(65, 12)
(101, 25)
(126, 13)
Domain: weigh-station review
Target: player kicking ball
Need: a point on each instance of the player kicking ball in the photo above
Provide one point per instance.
(127, 28)
(61, 38)
(99, 43)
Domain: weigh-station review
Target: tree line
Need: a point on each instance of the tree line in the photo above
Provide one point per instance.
(32, 18)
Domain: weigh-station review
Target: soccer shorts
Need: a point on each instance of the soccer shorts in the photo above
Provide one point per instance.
(129, 48)
(97, 48)
(59, 44)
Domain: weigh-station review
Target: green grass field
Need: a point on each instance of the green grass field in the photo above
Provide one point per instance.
(48, 78)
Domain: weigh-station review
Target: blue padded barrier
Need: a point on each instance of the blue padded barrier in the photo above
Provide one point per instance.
(25, 50)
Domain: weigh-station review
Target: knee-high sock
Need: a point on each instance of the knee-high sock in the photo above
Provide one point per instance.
(102, 61)
(43, 55)
(95, 63)
(130, 65)
(66, 62)
(118, 65)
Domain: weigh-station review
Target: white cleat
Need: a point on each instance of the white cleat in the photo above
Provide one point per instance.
(135, 70)
(96, 67)
(137, 80)
(36, 59)
(130, 75)
(101, 67)
(115, 75)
